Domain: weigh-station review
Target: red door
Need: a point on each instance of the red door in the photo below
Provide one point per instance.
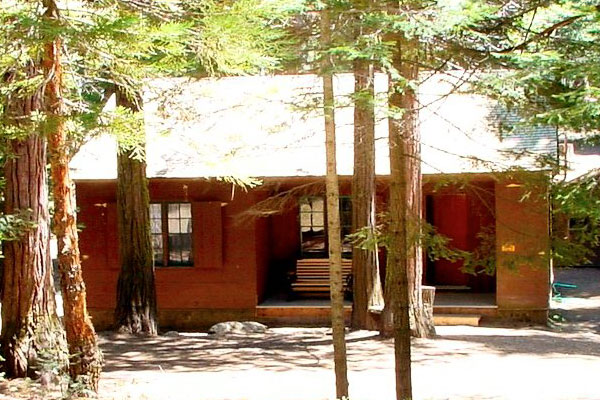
(450, 213)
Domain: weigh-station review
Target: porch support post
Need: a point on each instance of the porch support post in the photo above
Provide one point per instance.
(522, 248)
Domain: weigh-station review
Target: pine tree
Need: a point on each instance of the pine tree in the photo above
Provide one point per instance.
(367, 289)
(136, 291)
(404, 210)
(85, 360)
(31, 331)
(333, 216)
(550, 74)
(217, 39)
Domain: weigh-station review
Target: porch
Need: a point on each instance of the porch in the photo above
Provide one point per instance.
(276, 311)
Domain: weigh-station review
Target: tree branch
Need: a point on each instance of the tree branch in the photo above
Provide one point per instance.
(545, 33)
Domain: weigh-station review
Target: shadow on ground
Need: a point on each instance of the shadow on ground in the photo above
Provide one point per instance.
(279, 350)
(578, 309)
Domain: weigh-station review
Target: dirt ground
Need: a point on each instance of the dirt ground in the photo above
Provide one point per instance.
(494, 362)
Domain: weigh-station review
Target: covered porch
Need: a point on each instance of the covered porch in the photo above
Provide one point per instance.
(278, 311)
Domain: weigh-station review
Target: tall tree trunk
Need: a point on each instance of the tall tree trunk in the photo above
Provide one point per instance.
(136, 292)
(404, 269)
(31, 331)
(367, 290)
(410, 156)
(333, 219)
(85, 359)
(405, 151)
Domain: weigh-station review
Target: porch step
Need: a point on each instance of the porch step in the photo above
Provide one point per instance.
(452, 288)
(456, 319)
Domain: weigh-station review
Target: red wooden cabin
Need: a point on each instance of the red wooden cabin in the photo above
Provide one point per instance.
(218, 258)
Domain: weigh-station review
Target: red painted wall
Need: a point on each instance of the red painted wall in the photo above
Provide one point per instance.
(285, 235)
(224, 274)
(236, 255)
(261, 249)
(461, 214)
(523, 276)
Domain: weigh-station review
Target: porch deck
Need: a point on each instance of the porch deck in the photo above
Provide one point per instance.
(483, 304)
(277, 311)
(304, 312)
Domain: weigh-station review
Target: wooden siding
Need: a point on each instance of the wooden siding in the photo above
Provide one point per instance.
(523, 272)
(225, 262)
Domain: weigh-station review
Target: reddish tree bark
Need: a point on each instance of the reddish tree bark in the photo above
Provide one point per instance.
(30, 327)
(406, 187)
(367, 290)
(404, 268)
(85, 359)
(136, 292)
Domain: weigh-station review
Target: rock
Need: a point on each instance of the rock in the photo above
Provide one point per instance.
(237, 328)
(171, 333)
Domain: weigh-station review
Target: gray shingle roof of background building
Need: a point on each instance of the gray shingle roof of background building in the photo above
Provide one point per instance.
(268, 126)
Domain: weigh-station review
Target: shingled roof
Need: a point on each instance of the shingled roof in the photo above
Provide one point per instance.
(268, 126)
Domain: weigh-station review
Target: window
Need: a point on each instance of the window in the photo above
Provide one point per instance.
(171, 228)
(313, 225)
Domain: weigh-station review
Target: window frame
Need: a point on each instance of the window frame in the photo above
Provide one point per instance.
(164, 235)
(345, 223)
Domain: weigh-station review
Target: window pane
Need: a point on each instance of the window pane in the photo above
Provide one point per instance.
(345, 204)
(318, 219)
(155, 211)
(157, 249)
(305, 220)
(185, 210)
(185, 226)
(313, 242)
(173, 211)
(180, 249)
(156, 226)
(174, 253)
(318, 204)
(174, 226)
(346, 222)
(346, 247)
(186, 250)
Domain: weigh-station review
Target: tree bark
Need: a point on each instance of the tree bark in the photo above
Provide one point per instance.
(136, 292)
(405, 152)
(85, 358)
(367, 290)
(404, 269)
(31, 331)
(333, 218)
(410, 156)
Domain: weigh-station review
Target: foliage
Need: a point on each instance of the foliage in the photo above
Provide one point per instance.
(552, 76)
(244, 36)
(579, 203)
(481, 260)
(555, 78)
(112, 42)
(13, 226)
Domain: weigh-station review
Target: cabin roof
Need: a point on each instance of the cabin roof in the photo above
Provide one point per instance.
(271, 126)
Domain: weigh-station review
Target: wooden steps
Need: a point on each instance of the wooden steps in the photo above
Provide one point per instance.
(456, 319)
(452, 288)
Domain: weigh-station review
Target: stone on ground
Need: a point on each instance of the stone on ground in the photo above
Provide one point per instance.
(237, 328)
